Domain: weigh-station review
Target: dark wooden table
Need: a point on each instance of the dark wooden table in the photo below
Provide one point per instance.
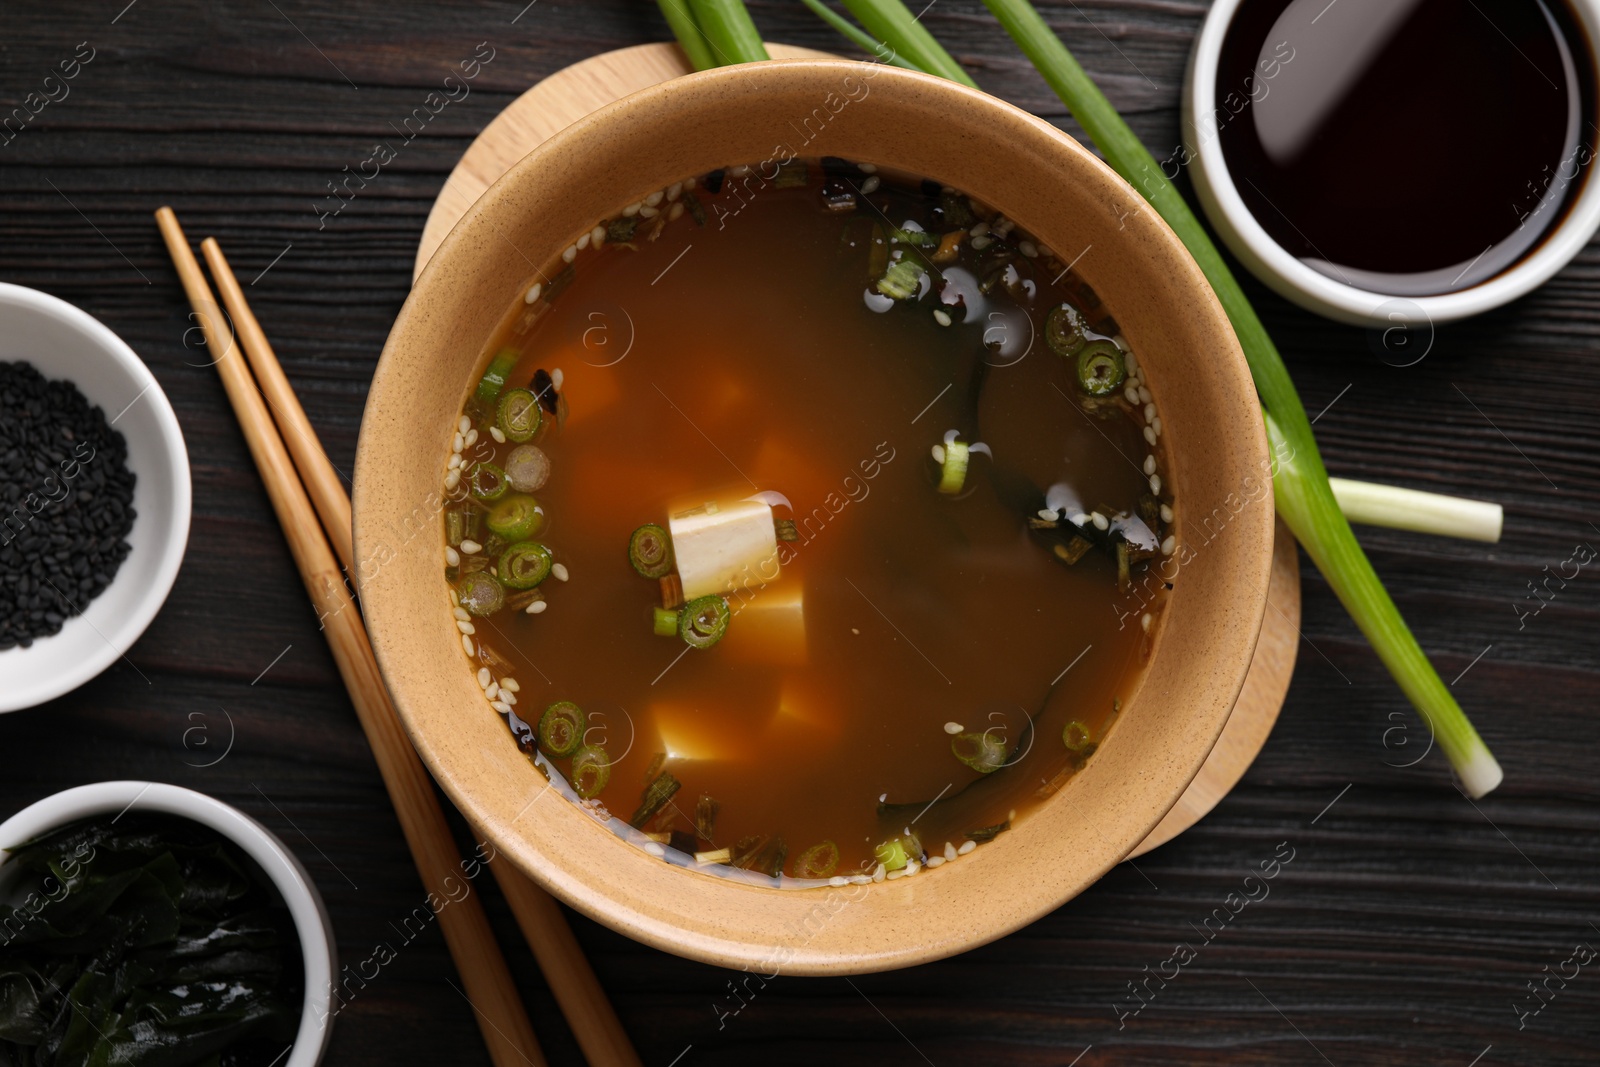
(1410, 922)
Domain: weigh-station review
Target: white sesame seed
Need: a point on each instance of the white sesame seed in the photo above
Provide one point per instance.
(493, 690)
(655, 198)
(674, 190)
(560, 572)
(466, 627)
(1079, 519)
(1149, 435)
(1155, 424)
(1130, 361)
(455, 461)
(455, 598)
(676, 213)
(501, 706)
(1099, 520)
(690, 183)
(1131, 394)
(1027, 248)
(581, 243)
(533, 292)
(980, 243)
(510, 685)
(498, 434)
(878, 873)
(537, 606)
(952, 728)
(569, 253)
(508, 697)
(649, 212)
(457, 442)
(868, 168)
(654, 849)
(941, 316)
(1166, 513)
(461, 613)
(912, 868)
(631, 210)
(860, 879)
(838, 880)
(1046, 250)
(1149, 412)
(938, 454)
(740, 171)
(949, 851)
(870, 186)
(1046, 513)
(452, 479)
(556, 378)
(471, 438)
(464, 425)
(979, 230)
(1004, 226)
(470, 547)
(1144, 394)
(484, 677)
(935, 861)
(901, 873)
(966, 846)
(1169, 544)
(1144, 622)
(466, 644)
(1155, 483)
(1149, 464)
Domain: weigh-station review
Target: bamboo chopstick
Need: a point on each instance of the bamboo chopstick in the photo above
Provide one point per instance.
(489, 988)
(577, 991)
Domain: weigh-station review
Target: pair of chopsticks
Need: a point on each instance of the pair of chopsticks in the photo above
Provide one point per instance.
(314, 510)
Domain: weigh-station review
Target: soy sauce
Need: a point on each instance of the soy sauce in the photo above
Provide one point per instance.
(1407, 146)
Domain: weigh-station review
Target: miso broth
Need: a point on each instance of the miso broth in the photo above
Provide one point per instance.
(804, 504)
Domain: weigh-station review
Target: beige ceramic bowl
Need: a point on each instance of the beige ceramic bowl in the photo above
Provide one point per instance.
(1050, 186)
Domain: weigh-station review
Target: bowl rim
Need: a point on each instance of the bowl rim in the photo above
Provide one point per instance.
(714, 941)
(318, 951)
(155, 581)
(1277, 268)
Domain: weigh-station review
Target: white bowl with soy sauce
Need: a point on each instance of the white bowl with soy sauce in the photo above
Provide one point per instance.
(98, 621)
(1395, 162)
(97, 837)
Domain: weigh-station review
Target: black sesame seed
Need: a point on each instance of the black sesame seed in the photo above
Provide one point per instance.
(65, 491)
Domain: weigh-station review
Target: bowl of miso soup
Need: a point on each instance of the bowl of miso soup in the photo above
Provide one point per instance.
(813, 515)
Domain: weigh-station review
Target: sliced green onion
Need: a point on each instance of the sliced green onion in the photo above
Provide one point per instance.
(985, 834)
(791, 175)
(1101, 371)
(1064, 330)
(621, 229)
(487, 482)
(703, 621)
(956, 211)
(650, 550)
(705, 816)
(892, 854)
(494, 379)
(983, 752)
(561, 728)
(524, 565)
(516, 517)
(914, 238)
(591, 770)
(656, 795)
(953, 468)
(818, 861)
(687, 31)
(1075, 736)
(902, 279)
(480, 594)
(519, 416)
(665, 622)
(455, 528)
(527, 468)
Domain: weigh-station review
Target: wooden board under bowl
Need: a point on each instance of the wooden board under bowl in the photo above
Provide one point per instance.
(573, 92)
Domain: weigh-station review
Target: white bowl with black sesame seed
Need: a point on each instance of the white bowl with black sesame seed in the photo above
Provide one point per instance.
(63, 343)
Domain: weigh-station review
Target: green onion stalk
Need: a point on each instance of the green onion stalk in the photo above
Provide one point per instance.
(1302, 491)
